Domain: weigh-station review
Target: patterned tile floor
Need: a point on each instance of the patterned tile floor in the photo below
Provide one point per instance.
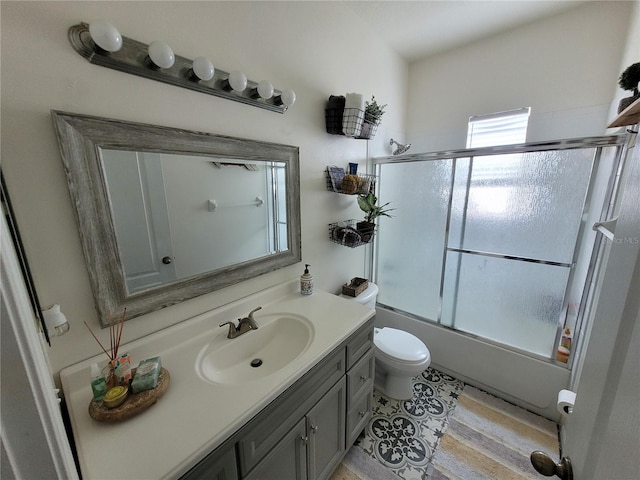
(403, 435)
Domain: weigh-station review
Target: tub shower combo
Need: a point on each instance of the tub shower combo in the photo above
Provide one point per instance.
(496, 244)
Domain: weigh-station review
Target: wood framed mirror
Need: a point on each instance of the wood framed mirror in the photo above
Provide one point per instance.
(166, 214)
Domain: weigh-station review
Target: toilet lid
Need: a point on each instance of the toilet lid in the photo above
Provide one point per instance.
(401, 345)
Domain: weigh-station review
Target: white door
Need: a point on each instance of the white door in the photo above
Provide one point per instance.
(602, 435)
(140, 217)
(34, 442)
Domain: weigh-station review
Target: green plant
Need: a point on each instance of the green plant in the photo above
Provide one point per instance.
(373, 108)
(630, 78)
(367, 204)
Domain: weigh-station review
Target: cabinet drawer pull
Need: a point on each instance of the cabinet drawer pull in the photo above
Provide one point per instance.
(314, 428)
(362, 413)
(364, 378)
(304, 438)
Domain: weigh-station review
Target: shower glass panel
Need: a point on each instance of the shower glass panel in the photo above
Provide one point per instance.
(516, 303)
(490, 241)
(410, 265)
(526, 205)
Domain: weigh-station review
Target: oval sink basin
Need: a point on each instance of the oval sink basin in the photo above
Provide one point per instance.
(275, 344)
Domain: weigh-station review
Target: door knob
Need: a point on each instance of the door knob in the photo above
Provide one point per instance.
(167, 260)
(545, 465)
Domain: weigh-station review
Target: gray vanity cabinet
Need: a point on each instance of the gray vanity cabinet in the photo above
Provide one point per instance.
(304, 433)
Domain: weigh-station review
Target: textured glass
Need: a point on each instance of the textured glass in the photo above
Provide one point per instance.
(527, 205)
(513, 302)
(411, 244)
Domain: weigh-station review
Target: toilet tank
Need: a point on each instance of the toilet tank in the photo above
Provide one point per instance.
(368, 297)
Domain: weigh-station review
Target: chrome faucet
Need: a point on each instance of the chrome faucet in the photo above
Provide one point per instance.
(244, 325)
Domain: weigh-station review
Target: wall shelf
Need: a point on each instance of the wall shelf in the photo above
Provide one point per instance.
(352, 233)
(629, 116)
(355, 184)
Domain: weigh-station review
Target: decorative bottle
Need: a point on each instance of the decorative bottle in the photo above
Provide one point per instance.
(98, 383)
(306, 282)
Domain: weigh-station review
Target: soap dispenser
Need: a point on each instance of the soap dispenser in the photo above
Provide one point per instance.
(306, 281)
(98, 383)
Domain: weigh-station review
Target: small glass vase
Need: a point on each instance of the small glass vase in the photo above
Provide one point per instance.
(110, 377)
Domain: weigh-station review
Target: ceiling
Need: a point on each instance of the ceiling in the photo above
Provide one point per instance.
(419, 28)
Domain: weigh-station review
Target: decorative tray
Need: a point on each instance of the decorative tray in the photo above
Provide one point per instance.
(134, 404)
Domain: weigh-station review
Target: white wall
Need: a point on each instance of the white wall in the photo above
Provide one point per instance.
(315, 48)
(564, 67)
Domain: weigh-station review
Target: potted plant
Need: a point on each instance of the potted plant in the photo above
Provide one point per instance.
(373, 112)
(629, 81)
(367, 204)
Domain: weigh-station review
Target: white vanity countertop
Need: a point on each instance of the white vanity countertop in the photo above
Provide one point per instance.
(195, 416)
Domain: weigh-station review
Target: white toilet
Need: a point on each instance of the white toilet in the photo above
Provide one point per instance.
(399, 354)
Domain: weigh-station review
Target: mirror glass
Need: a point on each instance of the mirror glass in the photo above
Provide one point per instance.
(166, 214)
(178, 216)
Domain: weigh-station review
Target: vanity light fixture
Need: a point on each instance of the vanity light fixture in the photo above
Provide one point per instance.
(202, 68)
(105, 36)
(99, 44)
(161, 54)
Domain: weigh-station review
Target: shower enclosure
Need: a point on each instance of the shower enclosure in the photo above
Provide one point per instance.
(496, 243)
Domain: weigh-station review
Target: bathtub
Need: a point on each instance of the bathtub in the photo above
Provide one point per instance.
(525, 381)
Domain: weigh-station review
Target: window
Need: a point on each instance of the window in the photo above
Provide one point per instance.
(502, 128)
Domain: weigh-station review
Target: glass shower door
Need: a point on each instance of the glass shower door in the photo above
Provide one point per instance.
(514, 226)
(409, 267)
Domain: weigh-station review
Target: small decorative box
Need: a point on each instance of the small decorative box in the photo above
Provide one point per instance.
(147, 374)
(356, 287)
(122, 368)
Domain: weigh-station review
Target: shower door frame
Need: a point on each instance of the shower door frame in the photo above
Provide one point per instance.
(617, 141)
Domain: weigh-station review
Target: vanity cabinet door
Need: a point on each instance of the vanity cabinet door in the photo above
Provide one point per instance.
(326, 431)
(287, 460)
(359, 344)
(219, 465)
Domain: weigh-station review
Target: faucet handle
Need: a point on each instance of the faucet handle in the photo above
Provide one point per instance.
(232, 329)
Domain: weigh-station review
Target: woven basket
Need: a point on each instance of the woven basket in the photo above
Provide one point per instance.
(356, 287)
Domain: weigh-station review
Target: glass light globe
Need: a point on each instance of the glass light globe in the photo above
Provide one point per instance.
(288, 97)
(237, 81)
(161, 54)
(265, 89)
(203, 68)
(105, 35)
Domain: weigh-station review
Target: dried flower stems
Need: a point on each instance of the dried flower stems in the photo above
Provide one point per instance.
(115, 335)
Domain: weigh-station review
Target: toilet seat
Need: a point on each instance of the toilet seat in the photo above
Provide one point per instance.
(400, 346)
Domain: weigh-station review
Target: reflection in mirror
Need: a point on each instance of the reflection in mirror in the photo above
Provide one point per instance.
(165, 215)
(176, 204)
